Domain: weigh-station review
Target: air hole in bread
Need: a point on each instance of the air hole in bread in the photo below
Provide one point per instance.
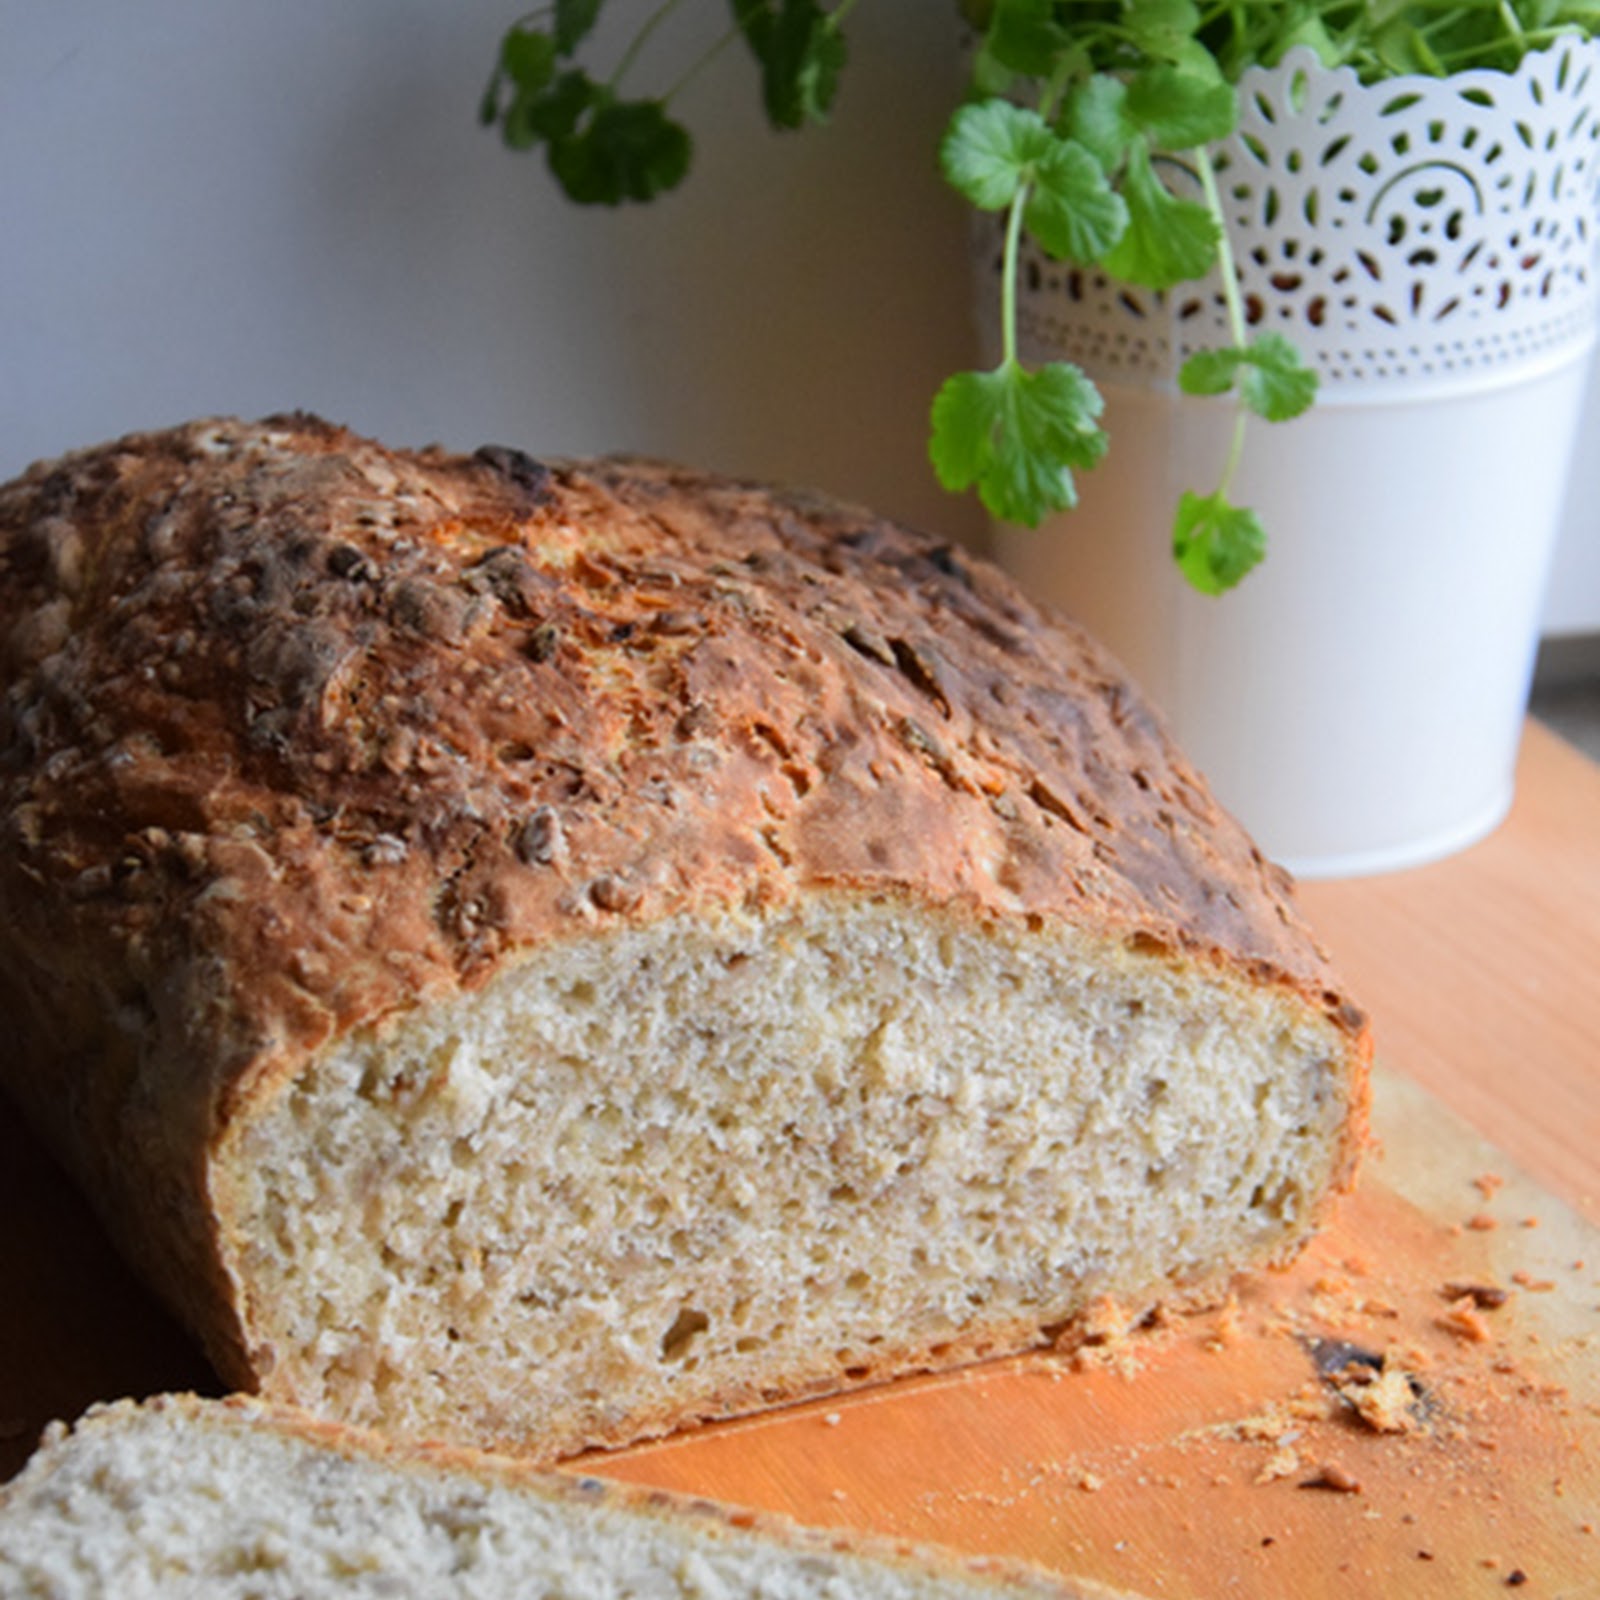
(686, 1328)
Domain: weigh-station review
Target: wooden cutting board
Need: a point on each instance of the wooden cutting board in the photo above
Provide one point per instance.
(1378, 1421)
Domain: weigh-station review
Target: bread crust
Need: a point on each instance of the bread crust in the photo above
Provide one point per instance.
(300, 732)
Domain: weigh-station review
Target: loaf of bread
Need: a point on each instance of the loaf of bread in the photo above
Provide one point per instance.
(536, 955)
(237, 1500)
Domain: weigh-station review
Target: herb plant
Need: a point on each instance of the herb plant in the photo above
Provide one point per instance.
(1069, 106)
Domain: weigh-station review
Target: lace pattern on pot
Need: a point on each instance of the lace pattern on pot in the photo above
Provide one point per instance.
(1417, 232)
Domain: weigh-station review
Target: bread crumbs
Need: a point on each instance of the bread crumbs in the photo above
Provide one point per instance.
(1386, 1399)
(1465, 1321)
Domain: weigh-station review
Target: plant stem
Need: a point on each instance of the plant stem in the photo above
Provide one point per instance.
(1009, 266)
(1235, 454)
(696, 67)
(1228, 269)
(638, 41)
(1226, 265)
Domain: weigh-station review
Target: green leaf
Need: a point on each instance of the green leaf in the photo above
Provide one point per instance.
(801, 53)
(1403, 49)
(1094, 115)
(989, 77)
(1016, 435)
(628, 150)
(1177, 109)
(1274, 382)
(489, 105)
(1209, 372)
(1072, 209)
(528, 58)
(1160, 28)
(1167, 240)
(574, 20)
(989, 151)
(552, 116)
(992, 148)
(1312, 32)
(1024, 37)
(1214, 543)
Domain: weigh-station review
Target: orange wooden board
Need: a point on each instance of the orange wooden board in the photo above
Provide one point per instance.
(1208, 1457)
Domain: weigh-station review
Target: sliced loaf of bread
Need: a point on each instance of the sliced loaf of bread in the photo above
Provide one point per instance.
(541, 954)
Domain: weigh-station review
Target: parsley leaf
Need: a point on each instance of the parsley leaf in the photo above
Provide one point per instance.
(1095, 116)
(628, 150)
(801, 53)
(993, 149)
(1017, 434)
(1210, 371)
(1161, 28)
(575, 19)
(1214, 543)
(1072, 210)
(989, 150)
(1024, 37)
(1403, 49)
(1176, 108)
(1167, 240)
(528, 58)
(1273, 379)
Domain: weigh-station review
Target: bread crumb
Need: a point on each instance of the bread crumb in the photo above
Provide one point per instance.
(1526, 1280)
(1103, 1339)
(1229, 1327)
(1106, 1322)
(1482, 1222)
(1282, 1463)
(1488, 1184)
(1485, 1296)
(1330, 1475)
(1386, 1401)
(1464, 1321)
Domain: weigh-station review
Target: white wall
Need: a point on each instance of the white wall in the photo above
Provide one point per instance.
(216, 206)
(207, 205)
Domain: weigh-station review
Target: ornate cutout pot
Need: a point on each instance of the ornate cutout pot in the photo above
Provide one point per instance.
(1430, 245)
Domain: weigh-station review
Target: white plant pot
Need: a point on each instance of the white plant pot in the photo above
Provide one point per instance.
(1358, 700)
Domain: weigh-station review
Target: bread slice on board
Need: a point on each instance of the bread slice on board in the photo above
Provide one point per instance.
(539, 954)
(238, 1500)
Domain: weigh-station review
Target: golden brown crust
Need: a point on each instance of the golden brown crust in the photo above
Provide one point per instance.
(299, 731)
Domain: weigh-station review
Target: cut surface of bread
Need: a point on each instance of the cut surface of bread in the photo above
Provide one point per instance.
(235, 1500)
(539, 954)
(688, 1169)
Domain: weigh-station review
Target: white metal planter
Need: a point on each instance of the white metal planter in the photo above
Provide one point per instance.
(1430, 246)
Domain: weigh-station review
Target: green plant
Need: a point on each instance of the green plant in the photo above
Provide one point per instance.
(1074, 110)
